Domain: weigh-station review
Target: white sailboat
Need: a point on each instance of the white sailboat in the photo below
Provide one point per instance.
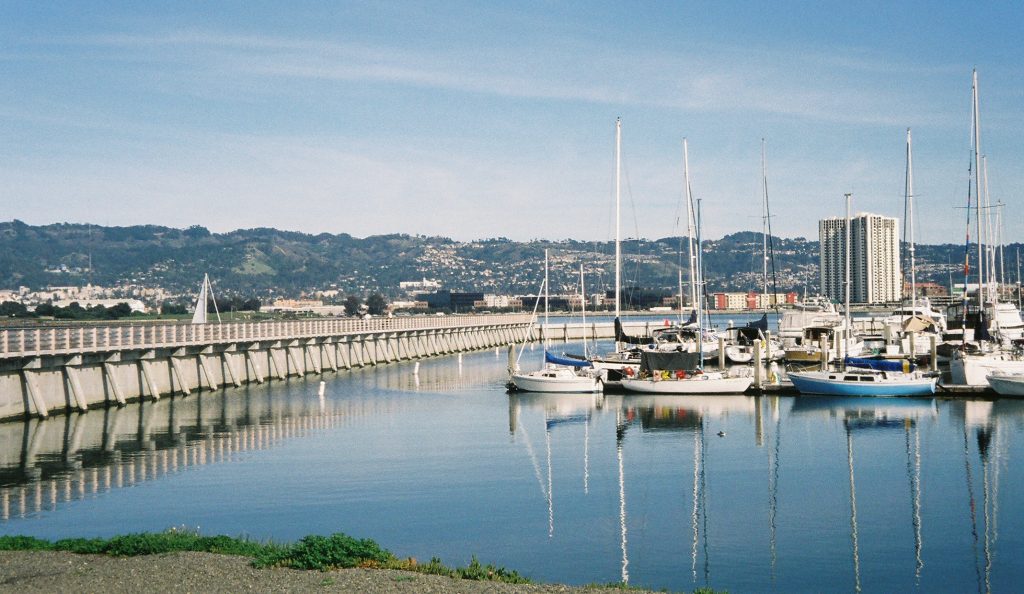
(1002, 356)
(682, 372)
(202, 302)
(863, 377)
(559, 374)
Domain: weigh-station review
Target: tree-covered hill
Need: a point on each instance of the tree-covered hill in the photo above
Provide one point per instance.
(270, 262)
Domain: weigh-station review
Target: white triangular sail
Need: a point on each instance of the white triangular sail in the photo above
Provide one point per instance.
(205, 295)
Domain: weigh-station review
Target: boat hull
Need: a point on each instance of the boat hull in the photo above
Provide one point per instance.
(972, 370)
(528, 383)
(1007, 384)
(816, 382)
(708, 384)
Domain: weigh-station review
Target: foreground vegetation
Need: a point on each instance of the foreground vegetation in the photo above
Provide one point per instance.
(314, 552)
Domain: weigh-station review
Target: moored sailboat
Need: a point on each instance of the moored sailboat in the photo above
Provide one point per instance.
(863, 377)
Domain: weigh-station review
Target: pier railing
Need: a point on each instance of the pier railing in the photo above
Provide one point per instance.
(50, 340)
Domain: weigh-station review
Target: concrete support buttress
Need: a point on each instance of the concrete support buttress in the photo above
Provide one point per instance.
(76, 388)
(255, 367)
(147, 378)
(180, 377)
(34, 395)
(108, 372)
(290, 358)
(206, 373)
(226, 358)
(274, 366)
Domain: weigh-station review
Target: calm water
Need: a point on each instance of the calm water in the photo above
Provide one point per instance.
(739, 493)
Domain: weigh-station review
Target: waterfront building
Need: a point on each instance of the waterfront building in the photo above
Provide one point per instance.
(874, 258)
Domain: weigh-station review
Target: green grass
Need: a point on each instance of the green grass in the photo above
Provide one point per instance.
(312, 552)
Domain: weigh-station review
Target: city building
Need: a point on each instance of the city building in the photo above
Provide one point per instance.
(874, 258)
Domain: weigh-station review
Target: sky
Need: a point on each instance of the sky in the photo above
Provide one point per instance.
(479, 119)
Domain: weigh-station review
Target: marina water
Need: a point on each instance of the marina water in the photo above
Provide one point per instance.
(784, 494)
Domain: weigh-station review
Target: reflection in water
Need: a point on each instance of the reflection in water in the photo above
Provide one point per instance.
(853, 512)
(559, 410)
(620, 434)
(914, 478)
(62, 459)
(655, 478)
(773, 482)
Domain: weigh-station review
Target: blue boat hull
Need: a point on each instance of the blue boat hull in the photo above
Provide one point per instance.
(808, 383)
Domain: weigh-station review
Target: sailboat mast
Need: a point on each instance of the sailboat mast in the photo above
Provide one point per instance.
(849, 232)
(764, 222)
(977, 188)
(546, 326)
(618, 208)
(909, 196)
(700, 297)
(1018, 279)
(583, 309)
(690, 226)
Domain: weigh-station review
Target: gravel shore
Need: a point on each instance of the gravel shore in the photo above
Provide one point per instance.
(48, 571)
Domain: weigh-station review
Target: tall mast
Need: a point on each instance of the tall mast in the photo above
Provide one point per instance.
(546, 326)
(700, 298)
(690, 227)
(1018, 279)
(764, 222)
(909, 197)
(583, 308)
(977, 188)
(619, 238)
(849, 232)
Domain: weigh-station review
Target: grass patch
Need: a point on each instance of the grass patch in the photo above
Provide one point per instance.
(311, 553)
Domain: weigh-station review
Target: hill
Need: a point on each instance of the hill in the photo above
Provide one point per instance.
(267, 262)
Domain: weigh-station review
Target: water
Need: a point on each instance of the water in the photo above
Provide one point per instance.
(797, 494)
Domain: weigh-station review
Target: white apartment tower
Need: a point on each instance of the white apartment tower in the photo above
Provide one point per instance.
(874, 258)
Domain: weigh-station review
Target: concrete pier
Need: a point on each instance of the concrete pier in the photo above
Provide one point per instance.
(46, 369)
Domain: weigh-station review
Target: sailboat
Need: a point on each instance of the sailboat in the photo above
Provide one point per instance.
(559, 374)
(863, 377)
(914, 320)
(740, 341)
(205, 296)
(994, 357)
(677, 372)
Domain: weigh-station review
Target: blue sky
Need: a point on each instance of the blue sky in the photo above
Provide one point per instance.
(487, 119)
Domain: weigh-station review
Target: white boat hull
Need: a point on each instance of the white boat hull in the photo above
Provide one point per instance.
(973, 370)
(707, 383)
(1007, 384)
(546, 381)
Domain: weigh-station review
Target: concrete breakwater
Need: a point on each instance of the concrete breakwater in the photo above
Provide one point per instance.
(46, 369)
